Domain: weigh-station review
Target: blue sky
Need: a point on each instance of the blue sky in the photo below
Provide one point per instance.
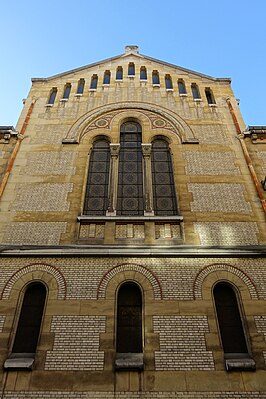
(225, 38)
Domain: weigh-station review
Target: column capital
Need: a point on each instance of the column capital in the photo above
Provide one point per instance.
(146, 149)
(114, 149)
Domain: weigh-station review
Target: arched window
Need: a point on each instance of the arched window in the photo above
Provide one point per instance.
(67, 90)
(107, 78)
(164, 197)
(52, 96)
(231, 327)
(131, 69)
(143, 73)
(130, 184)
(129, 319)
(155, 78)
(81, 84)
(181, 86)
(195, 91)
(94, 82)
(119, 73)
(168, 82)
(98, 177)
(30, 319)
(209, 96)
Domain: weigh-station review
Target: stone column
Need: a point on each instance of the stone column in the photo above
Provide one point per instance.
(113, 180)
(147, 181)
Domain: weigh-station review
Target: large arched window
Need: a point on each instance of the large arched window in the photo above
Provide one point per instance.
(164, 198)
(130, 178)
(98, 178)
(129, 319)
(231, 327)
(30, 319)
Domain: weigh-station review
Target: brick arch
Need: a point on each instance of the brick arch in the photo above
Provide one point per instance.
(218, 268)
(101, 118)
(36, 267)
(130, 267)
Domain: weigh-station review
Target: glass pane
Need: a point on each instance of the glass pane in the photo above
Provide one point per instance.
(164, 197)
(129, 319)
(195, 91)
(106, 79)
(181, 87)
(30, 319)
(130, 178)
(52, 96)
(143, 73)
(94, 82)
(155, 78)
(131, 69)
(119, 73)
(168, 82)
(81, 85)
(229, 319)
(67, 91)
(96, 197)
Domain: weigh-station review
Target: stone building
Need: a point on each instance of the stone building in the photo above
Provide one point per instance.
(132, 232)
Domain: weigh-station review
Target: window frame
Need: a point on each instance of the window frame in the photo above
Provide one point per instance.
(235, 360)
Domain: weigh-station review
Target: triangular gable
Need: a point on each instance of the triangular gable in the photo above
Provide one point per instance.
(134, 53)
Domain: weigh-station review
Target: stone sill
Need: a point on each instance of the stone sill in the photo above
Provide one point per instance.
(129, 361)
(20, 361)
(129, 219)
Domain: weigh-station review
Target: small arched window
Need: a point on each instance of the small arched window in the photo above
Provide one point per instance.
(107, 78)
(30, 319)
(181, 86)
(67, 90)
(168, 82)
(52, 96)
(94, 82)
(143, 73)
(131, 69)
(96, 196)
(195, 91)
(231, 327)
(164, 197)
(209, 96)
(155, 78)
(81, 85)
(129, 319)
(119, 73)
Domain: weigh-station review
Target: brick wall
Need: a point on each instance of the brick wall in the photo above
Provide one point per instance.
(50, 162)
(182, 343)
(76, 343)
(210, 163)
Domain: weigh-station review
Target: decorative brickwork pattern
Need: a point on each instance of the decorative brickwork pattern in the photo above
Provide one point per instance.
(223, 233)
(223, 267)
(167, 231)
(32, 268)
(2, 320)
(210, 163)
(262, 155)
(129, 267)
(34, 233)
(50, 163)
(218, 197)
(182, 343)
(45, 197)
(76, 344)
(211, 134)
(174, 278)
(132, 395)
(91, 230)
(50, 134)
(129, 230)
(261, 327)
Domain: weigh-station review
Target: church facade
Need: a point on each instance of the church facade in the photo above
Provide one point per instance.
(133, 237)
